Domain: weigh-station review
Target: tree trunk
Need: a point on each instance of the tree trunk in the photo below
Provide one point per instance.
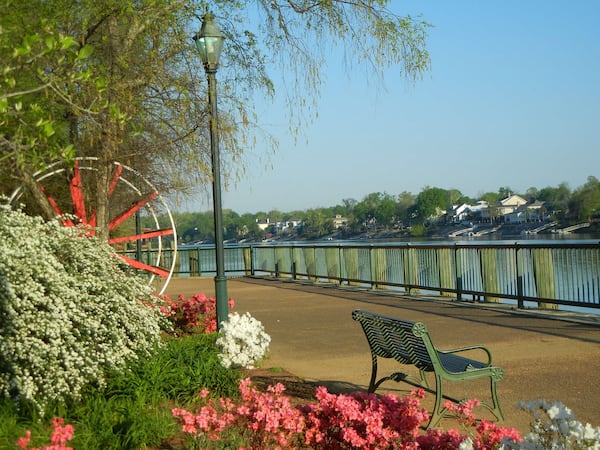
(38, 195)
(102, 200)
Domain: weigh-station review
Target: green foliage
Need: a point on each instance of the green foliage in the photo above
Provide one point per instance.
(69, 312)
(418, 230)
(585, 202)
(403, 210)
(556, 199)
(382, 207)
(40, 65)
(122, 81)
(316, 224)
(177, 371)
(430, 202)
(134, 409)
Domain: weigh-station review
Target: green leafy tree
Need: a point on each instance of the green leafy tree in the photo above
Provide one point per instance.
(455, 197)
(532, 193)
(317, 224)
(248, 228)
(504, 192)
(585, 201)
(493, 202)
(39, 65)
(430, 202)
(405, 201)
(140, 96)
(490, 197)
(365, 211)
(387, 211)
(556, 199)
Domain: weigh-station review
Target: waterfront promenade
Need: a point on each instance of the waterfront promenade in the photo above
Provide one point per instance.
(315, 338)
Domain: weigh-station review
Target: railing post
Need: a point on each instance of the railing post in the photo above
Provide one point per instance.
(199, 269)
(340, 263)
(407, 268)
(247, 252)
(545, 281)
(293, 261)
(252, 271)
(458, 273)
(489, 277)
(519, 269)
(372, 270)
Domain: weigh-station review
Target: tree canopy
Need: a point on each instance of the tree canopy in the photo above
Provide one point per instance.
(120, 80)
(405, 213)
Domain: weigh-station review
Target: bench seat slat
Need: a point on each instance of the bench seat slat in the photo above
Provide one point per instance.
(457, 364)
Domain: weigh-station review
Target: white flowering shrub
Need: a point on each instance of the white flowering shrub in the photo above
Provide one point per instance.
(242, 341)
(555, 427)
(69, 311)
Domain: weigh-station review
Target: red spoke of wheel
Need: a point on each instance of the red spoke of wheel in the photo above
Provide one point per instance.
(75, 185)
(111, 188)
(115, 179)
(132, 210)
(57, 210)
(147, 267)
(145, 235)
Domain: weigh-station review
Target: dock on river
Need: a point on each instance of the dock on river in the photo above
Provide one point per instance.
(550, 355)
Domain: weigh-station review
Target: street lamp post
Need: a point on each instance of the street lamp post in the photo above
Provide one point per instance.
(209, 42)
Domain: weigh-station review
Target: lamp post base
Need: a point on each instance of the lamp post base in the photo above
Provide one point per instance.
(222, 300)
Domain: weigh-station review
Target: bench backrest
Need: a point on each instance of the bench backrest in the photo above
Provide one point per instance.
(399, 339)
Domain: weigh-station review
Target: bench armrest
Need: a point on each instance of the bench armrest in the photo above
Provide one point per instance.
(473, 347)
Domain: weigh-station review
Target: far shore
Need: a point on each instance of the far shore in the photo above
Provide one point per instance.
(478, 232)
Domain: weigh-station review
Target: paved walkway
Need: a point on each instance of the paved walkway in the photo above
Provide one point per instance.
(315, 338)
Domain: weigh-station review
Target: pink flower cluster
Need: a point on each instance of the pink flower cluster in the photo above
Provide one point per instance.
(269, 419)
(197, 314)
(61, 434)
(361, 420)
(483, 433)
(335, 421)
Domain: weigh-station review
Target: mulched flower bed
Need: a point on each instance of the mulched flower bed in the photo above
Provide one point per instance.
(299, 390)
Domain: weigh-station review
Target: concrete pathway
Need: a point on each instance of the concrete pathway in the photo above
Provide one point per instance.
(315, 338)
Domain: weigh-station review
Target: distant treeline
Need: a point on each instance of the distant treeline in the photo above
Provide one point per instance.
(404, 211)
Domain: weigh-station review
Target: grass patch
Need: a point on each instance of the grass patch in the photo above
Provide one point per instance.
(134, 410)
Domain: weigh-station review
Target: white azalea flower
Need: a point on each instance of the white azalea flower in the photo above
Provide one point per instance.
(555, 427)
(69, 309)
(242, 341)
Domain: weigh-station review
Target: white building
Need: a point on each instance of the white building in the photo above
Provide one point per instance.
(339, 221)
(510, 204)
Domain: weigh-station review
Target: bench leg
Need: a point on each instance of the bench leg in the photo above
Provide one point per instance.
(438, 410)
(495, 402)
(372, 383)
(424, 381)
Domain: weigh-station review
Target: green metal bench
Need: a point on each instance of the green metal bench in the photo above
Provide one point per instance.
(409, 343)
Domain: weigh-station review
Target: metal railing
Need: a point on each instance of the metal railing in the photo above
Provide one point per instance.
(548, 274)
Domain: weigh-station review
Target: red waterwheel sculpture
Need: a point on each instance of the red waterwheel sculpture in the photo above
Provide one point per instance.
(155, 247)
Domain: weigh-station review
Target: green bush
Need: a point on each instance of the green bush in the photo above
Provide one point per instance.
(178, 371)
(70, 312)
(133, 410)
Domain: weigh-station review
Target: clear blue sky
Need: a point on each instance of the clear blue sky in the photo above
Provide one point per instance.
(512, 99)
